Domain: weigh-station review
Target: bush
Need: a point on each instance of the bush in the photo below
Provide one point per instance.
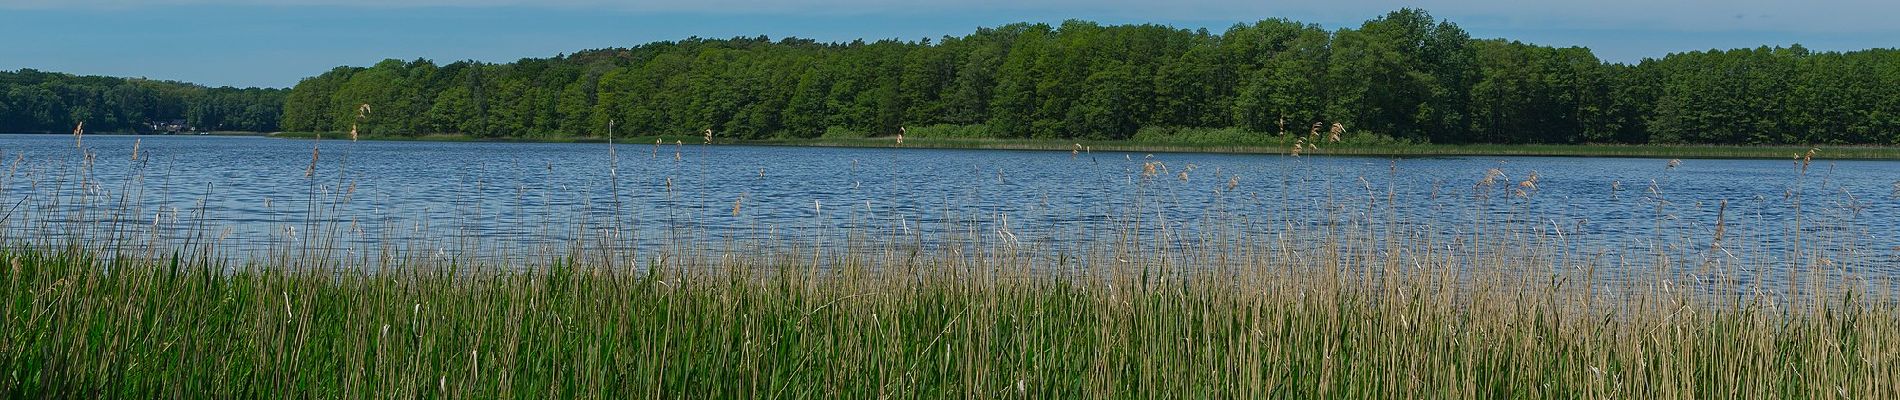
(839, 132)
(950, 131)
(1362, 138)
(1169, 135)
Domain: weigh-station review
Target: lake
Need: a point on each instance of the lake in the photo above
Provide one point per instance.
(255, 193)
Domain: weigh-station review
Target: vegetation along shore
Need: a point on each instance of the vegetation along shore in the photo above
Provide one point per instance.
(1261, 144)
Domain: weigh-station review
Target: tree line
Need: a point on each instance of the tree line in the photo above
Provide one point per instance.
(1404, 76)
(36, 101)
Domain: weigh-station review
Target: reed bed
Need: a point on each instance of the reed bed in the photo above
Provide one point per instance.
(1352, 306)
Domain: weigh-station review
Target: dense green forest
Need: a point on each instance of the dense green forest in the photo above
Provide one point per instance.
(1403, 76)
(34, 101)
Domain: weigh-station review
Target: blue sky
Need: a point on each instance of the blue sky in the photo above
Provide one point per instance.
(276, 42)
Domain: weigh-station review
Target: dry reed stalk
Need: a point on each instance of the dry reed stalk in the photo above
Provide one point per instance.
(613, 158)
(362, 113)
(1721, 225)
(312, 170)
(1490, 177)
(78, 132)
(135, 149)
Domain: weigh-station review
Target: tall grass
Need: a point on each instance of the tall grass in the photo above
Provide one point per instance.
(1352, 306)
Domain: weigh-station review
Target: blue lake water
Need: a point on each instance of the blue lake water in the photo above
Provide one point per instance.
(254, 191)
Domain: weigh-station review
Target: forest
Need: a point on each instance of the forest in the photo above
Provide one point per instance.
(1405, 76)
(36, 101)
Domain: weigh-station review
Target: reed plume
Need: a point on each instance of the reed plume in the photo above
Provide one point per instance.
(1529, 183)
(362, 113)
(1721, 225)
(312, 170)
(1490, 178)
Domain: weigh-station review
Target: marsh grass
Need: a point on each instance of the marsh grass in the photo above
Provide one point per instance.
(1351, 305)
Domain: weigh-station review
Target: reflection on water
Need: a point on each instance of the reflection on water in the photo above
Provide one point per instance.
(514, 199)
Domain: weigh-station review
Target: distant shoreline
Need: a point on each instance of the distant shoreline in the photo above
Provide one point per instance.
(211, 133)
(1380, 150)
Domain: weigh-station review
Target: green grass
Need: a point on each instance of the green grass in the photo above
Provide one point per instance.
(79, 326)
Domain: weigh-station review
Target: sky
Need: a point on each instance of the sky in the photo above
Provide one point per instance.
(275, 43)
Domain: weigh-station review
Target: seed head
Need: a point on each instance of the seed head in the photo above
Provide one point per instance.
(1491, 177)
(312, 170)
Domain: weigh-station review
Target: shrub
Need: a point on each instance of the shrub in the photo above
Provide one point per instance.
(839, 132)
(950, 131)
